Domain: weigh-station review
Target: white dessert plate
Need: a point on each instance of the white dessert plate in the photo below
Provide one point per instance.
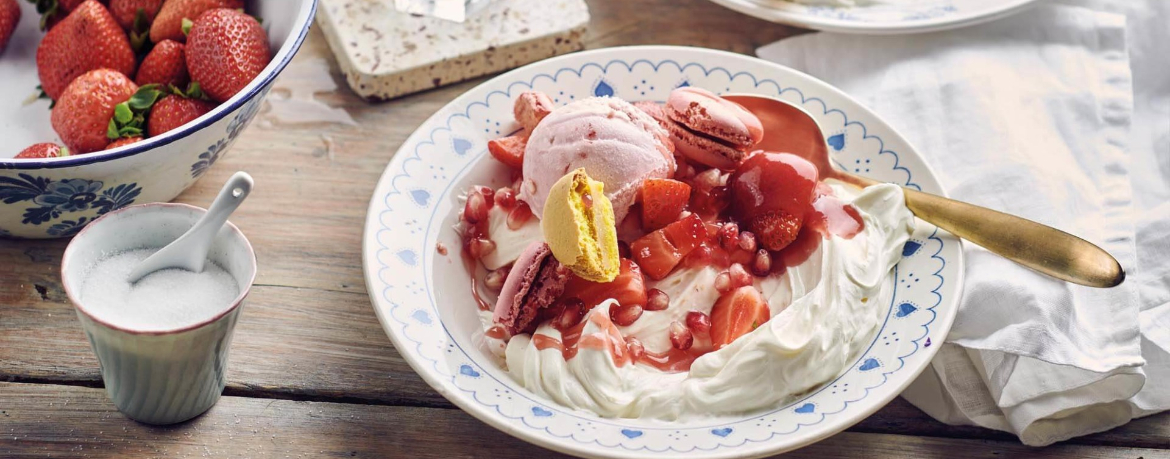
(423, 297)
(878, 16)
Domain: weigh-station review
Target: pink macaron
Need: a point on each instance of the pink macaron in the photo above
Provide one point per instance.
(709, 129)
(536, 280)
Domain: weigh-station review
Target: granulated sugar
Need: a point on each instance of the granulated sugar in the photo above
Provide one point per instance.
(162, 300)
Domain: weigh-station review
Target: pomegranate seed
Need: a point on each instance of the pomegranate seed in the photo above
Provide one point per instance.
(707, 179)
(505, 198)
(723, 282)
(625, 315)
(739, 276)
(637, 350)
(762, 264)
(519, 216)
(494, 280)
(729, 235)
(571, 315)
(747, 241)
(488, 195)
(587, 200)
(699, 322)
(476, 208)
(480, 247)
(680, 336)
(657, 300)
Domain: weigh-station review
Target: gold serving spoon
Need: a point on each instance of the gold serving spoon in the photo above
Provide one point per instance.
(1042, 248)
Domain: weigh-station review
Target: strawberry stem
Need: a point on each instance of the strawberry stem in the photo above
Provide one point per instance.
(187, 26)
(129, 118)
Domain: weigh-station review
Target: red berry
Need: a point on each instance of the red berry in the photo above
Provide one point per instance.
(505, 198)
(723, 282)
(657, 300)
(762, 263)
(475, 210)
(226, 50)
(625, 314)
(739, 276)
(166, 64)
(770, 193)
(480, 247)
(173, 111)
(530, 108)
(572, 314)
(637, 350)
(699, 322)
(736, 314)
(494, 280)
(42, 150)
(662, 202)
(509, 150)
(747, 241)
(519, 215)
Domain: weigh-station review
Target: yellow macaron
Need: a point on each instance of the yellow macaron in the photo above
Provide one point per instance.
(579, 227)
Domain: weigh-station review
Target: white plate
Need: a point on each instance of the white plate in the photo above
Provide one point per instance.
(424, 301)
(891, 18)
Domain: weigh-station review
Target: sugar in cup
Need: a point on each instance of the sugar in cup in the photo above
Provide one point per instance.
(162, 342)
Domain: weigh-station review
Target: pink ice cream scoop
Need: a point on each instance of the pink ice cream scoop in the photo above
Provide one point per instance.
(617, 144)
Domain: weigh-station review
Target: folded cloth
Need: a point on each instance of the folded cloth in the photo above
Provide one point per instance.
(1053, 116)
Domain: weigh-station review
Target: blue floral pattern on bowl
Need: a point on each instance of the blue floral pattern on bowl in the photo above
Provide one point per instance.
(410, 280)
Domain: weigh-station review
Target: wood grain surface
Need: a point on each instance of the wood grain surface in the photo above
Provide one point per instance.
(312, 374)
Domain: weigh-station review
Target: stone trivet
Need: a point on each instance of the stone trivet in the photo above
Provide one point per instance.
(386, 54)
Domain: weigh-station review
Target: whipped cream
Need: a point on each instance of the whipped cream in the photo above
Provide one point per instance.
(824, 312)
(509, 242)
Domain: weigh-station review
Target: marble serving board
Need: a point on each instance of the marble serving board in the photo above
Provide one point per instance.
(386, 54)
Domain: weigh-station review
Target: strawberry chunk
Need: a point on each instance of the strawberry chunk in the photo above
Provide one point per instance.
(662, 201)
(776, 229)
(530, 108)
(660, 251)
(737, 313)
(628, 288)
(509, 150)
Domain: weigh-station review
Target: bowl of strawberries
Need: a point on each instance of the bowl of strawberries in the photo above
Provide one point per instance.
(113, 102)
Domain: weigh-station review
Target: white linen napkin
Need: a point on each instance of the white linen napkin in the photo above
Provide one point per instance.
(1060, 114)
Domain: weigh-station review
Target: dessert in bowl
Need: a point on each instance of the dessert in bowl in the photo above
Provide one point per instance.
(687, 337)
(57, 196)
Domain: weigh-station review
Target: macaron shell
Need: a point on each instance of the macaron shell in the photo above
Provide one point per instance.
(520, 279)
(583, 239)
(704, 112)
(704, 150)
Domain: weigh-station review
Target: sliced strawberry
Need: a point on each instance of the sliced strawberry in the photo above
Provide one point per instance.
(662, 201)
(660, 251)
(509, 150)
(737, 313)
(687, 234)
(43, 150)
(628, 288)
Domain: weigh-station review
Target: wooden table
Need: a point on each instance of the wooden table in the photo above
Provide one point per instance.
(312, 374)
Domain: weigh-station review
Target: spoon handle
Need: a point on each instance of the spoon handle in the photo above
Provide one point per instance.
(1042, 248)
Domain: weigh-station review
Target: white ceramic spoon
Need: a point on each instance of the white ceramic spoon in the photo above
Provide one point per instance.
(189, 251)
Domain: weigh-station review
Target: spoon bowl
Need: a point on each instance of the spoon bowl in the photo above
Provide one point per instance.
(1042, 248)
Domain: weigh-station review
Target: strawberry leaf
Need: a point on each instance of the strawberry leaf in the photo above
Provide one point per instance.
(112, 130)
(122, 113)
(187, 26)
(140, 34)
(145, 98)
(48, 9)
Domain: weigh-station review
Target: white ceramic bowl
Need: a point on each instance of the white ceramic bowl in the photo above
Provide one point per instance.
(424, 301)
(56, 197)
(880, 18)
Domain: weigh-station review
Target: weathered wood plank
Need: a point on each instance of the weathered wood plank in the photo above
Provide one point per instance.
(48, 420)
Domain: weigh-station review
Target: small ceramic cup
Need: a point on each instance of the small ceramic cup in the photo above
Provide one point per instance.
(159, 376)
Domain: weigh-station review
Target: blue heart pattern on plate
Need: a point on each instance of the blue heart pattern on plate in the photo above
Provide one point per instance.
(721, 432)
(541, 412)
(869, 364)
(460, 146)
(631, 433)
(420, 197)
(805, 408)
(836, 141)
(408, 256)
(466, 370)
(911, 248)
(905, 309)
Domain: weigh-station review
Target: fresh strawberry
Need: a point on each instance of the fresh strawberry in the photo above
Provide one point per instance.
(173, 111)
(662, 201)
(165, 65)
(126, 10)
(88, 39)
(9, 17)
(509, 150)
(770, 193)
(775, 229)
(737, 313)
(225, 51)
(660, 251)
(628, 288)
(43, 150)
(168, 23)
(85, 110)
(530, 108)
(123, 141)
